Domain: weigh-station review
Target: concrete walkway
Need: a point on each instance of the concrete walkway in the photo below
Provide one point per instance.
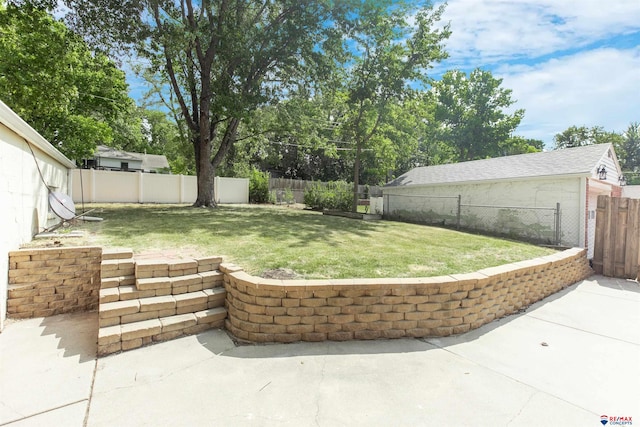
(566, 361)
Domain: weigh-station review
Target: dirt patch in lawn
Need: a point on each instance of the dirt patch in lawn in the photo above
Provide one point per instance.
(279, 273)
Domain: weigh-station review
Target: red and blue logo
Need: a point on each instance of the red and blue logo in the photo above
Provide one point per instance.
(616, 421)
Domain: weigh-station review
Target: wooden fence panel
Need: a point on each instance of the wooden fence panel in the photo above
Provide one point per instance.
(617, 244)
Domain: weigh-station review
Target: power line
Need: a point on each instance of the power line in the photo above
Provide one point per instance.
(318, 148)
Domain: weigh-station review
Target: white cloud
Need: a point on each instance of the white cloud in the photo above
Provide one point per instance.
(559, 57)
(486, 31)
(591, 88)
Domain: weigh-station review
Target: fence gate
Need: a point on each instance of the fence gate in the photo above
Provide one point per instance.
(616, 252)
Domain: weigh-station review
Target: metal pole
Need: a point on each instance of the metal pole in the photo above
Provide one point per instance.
(557, 223)
(458, 214)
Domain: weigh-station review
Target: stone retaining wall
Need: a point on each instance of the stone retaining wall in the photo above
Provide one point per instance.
(267, 310)
(49, 281)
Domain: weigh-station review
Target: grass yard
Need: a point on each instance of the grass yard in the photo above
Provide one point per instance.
(261, 238)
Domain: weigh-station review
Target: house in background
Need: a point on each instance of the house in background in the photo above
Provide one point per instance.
(24, 207)
(108, 158)
(521, 192)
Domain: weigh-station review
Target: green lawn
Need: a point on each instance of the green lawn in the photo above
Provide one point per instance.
(260, 238)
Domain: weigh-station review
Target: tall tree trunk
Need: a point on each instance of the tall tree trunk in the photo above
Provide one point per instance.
(356, 178)
(205, 176)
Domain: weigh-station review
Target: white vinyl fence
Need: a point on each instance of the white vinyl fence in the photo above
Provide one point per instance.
(98, 186)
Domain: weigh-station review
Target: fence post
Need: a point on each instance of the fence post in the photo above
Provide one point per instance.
(557, 225)
(93, 186)
(140, 187)
(385, 205)
(458, 213)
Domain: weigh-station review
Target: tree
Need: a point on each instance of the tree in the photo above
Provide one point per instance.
(162, 136)
(71, 96)
(575, 136)
(470, 110)
(385, 57)
(629, 153)
(222, 58)
(519, 145)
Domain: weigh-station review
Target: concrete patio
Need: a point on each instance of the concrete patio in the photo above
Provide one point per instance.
(566, 361)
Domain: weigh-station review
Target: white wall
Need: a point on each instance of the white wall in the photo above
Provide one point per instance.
(231, 190)
(98, 186)
(376, 205)
(631, 191)
(540, 193)
(24, 209)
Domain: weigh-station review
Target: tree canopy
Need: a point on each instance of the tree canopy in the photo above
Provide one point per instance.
(315, 90)
(386, 55)
(73, 97)
(578, 136)
(222, 59)
(470, 112)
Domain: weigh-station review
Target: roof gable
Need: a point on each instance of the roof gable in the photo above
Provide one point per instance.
(148, 161)
(154, 162)
(570, 161)
(105, 152)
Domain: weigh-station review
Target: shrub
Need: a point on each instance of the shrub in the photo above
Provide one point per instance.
(288, 196)
(258, 186)
(335, 195)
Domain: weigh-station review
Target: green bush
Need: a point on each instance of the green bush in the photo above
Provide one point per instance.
(334, 195)
(258, 187)
(288, 196)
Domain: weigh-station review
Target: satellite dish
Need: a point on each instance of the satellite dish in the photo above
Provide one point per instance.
(62, 205)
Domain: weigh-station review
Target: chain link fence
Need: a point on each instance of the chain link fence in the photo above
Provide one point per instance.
(534, 224)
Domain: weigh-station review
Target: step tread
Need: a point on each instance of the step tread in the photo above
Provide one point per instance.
(132, 335)
(140, 309)
(116, 253)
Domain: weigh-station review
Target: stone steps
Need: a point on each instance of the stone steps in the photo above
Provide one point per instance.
(128, 336)
(135, 309)
(147, 301)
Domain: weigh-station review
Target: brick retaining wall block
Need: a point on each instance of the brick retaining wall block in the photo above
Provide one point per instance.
(267, 310)
(48, 281)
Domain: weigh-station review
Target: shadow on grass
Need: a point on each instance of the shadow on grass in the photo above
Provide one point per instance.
(298, 228)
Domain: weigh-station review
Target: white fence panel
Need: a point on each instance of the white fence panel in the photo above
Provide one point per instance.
(98, 186)
(231, 190)
(158, 188)
(111, 186)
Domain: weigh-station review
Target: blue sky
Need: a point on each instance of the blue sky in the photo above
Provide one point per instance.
(568, 62)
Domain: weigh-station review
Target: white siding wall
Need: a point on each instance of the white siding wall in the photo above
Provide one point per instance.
(106, 162)
(541, 193)
(23, 197)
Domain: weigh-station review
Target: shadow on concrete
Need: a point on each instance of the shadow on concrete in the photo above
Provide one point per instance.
(224, 344)
(77, 333)
(619, 284)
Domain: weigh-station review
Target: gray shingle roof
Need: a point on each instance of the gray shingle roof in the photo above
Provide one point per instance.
(112, 153)
(570, 161)
(149, 161)
(154, 162)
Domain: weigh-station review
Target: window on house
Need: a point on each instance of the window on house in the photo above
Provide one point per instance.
(124, 166)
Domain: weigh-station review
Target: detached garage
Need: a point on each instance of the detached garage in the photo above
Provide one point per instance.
(548, 197)
(24, 209)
